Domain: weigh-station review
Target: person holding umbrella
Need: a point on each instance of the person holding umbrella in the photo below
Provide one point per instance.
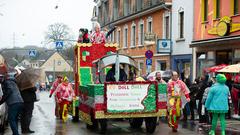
(52, 90)
(12, 96)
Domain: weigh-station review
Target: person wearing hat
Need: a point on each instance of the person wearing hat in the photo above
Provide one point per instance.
(64, 94)
(217, 103)
(52, 91)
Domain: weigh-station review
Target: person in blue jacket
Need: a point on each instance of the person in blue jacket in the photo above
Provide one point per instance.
(217, 103)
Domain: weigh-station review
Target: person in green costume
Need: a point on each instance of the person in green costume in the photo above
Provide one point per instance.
(217, 103)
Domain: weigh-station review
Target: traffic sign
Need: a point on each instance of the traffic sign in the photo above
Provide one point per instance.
(148, 61)
(149, 54)
(32, 53)
(59, 44)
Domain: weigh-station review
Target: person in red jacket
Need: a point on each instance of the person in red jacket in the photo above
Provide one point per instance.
(176, 89)
(64, 94)
(52, 90)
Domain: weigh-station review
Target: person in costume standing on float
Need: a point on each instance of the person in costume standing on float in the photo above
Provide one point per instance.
(217, 103)
(177, 90)
(98, 36)
(52, 91)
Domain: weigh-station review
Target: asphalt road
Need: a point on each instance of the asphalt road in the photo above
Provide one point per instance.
(45, 123)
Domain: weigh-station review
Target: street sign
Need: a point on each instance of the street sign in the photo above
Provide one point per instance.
(59, 44)
(148, 61)
(32, 53)
(149, 54)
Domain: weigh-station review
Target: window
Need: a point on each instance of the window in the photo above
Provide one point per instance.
(149, 25)
(125, 37)
(140, 67)
(133, 35)
(126, 7)
(217, 9)
(166, 27)
(139, 5)
(204, 10)
(118, 37)
(236, 7)
(161, 65)
(113, 36)
(59, 63)
(115, 9)
(141, 33)
(106, 7)
(181, 25)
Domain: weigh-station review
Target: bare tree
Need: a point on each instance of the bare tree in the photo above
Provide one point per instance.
(59, 32)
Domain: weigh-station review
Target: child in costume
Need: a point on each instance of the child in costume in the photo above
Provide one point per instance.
(64, 94)
(176, 89)
(217, 103)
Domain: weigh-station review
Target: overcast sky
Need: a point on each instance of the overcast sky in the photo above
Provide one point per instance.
(28, 19)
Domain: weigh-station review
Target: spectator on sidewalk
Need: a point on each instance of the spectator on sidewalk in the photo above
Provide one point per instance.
(29, 97)
(12, 96)
(203, 84)
(235, 91)
(194, 88)
(217, 103)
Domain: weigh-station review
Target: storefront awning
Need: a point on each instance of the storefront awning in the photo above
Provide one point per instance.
(216, 41)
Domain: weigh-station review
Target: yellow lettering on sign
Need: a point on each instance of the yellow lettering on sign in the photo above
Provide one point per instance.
(212, 31)
(222, 28)
(235, 27)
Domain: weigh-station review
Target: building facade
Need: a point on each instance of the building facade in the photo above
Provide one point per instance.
(216, 33)
(182, 35)
(57, 65)
(142, 25)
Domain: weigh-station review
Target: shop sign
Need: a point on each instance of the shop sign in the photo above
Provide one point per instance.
(128, 98)
(224, 27)
(163, 46)
(149, 38)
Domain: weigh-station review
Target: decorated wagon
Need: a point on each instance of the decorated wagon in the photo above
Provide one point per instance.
(100, 101)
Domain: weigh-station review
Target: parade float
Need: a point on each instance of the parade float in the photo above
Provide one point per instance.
(99, 101)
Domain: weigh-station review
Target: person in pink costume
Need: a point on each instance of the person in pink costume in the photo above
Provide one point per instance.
(64, 94)
(176, 90)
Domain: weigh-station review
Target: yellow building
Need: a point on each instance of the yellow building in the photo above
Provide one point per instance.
(57, 65)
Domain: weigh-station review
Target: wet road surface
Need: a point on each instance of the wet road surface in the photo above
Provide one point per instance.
(45, 123)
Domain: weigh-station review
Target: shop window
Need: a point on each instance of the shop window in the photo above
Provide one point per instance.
(161, 65)
(204, 10)
(237, 53)
(181, 25)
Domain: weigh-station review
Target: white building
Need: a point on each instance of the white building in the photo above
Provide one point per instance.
(182, 35)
